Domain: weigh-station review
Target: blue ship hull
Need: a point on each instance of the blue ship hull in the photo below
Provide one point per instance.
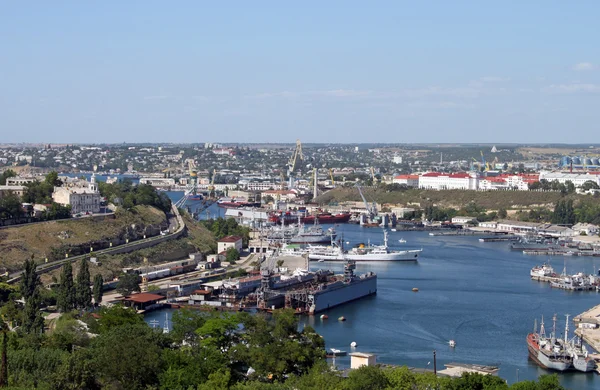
(339, 292)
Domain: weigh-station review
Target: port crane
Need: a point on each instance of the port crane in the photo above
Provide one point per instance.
(292, 164)
(373, 178)
(192, 187)
(371, 208)
(211, 187)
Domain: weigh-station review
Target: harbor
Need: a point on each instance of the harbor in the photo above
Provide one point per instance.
(402, 327)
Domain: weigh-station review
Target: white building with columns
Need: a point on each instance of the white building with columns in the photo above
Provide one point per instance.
(82, 196)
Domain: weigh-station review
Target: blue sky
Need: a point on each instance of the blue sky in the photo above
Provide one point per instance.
(274, 71)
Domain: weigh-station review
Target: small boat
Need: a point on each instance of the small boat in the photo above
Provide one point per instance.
(393, 230)
(342, 318)
(452, 343)
(324, 316)
(402, 241)
(415, 289)
(353, 344)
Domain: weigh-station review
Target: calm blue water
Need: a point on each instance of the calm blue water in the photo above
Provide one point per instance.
(478, 294)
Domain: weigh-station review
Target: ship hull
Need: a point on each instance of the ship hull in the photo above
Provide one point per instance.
(341, 293)
(411, 255)
(584, 364)
(544, 360)
(311, 240)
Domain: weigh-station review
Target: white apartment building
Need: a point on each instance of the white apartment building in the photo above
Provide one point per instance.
(409, 180)
(576, 178)
(83, 197)
(448, 181)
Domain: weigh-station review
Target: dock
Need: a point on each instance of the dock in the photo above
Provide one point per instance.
(547, 279)
(499, 238)
(588, 327)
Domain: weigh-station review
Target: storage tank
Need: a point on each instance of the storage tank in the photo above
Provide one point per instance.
(595, 161)
(565, 161)
(576, 160)
(587, 161)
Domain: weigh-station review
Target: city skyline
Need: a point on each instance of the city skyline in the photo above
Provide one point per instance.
(339, 72)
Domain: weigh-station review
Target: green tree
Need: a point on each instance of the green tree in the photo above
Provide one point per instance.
(502, 214)
(232, 255)
(66, 299)
(33, 322)
(98, 290)
(82, 288)
(116, 316)
(366, 378)
(3, 355)
(77, 372)
(30, 279)
(5, 175)
(10, 206)
(127, 284)
(590, 185)
(53, 180)
(128, 356)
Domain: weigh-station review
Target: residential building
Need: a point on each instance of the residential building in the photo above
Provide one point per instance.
(82, 196)
(587, 228)
(449, 181)
(576, 178)
(409, 180)
(229, 242)
(15, 189)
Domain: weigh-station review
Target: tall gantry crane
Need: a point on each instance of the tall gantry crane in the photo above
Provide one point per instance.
(192, 188)
(292, 164)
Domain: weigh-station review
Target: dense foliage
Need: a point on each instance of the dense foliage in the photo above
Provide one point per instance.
(5, 175)
(40, 192)
(221, 227)
(129, 196)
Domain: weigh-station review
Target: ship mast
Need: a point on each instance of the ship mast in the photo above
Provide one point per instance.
(567, 328)
(554, 326)
(542, 329)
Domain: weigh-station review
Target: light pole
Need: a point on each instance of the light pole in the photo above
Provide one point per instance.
(517, 374)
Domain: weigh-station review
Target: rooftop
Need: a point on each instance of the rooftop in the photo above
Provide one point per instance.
(230, 239)
(144, 298)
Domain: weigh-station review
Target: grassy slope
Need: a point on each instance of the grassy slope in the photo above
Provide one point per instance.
(197, 239)
(19, 243)
(491, 200)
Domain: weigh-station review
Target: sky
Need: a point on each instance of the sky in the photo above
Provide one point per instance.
(117, 71)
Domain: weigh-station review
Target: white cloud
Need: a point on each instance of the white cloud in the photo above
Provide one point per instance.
(573, 88)
(583, 66)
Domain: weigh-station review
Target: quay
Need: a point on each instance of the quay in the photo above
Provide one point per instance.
(461, 233)
(499, 238)
(547, 279)
(588, 327)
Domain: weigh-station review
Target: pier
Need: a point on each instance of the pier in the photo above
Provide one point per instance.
(499, 238)
(588, 327)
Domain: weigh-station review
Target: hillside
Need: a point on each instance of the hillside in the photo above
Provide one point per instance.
(490, 200)
(196, 239)
(53, 239)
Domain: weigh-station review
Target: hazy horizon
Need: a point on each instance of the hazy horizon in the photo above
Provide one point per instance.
(435, 72)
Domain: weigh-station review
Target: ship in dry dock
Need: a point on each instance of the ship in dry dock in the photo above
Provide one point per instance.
(322, 292)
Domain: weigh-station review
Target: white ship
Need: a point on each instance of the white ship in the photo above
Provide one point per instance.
(544, 270)
(362, 253)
